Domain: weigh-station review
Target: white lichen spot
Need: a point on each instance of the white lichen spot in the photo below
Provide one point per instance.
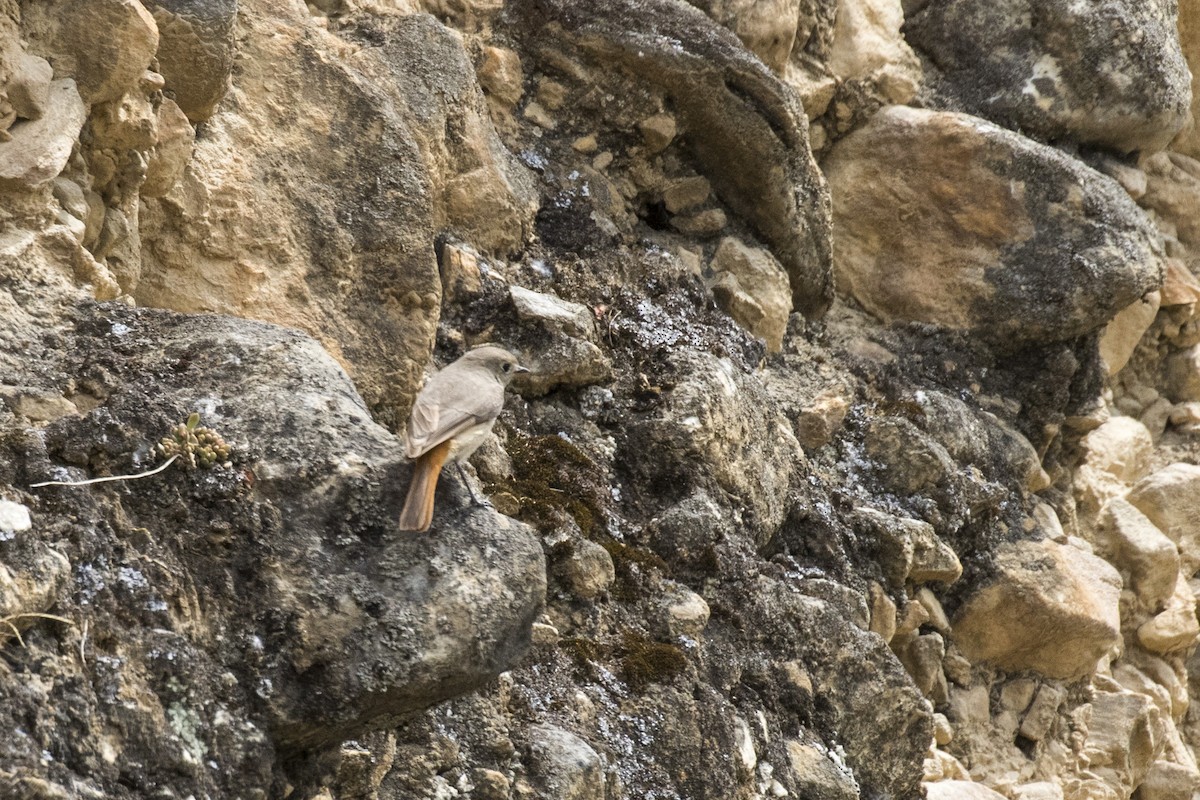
(14, 518)
(745, 744)
(1043, 85)
(132, 579)
(186, 725)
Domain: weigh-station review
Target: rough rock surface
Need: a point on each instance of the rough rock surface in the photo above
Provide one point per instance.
(197, 50)
(735, 551)
(747, 129)
(947, 219)
(1060, 605)
(1063, 70)
(353, 624)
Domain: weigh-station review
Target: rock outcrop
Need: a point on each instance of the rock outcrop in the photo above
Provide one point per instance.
(931, 534)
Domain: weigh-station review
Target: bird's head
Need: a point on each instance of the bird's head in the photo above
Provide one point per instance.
(498, 361)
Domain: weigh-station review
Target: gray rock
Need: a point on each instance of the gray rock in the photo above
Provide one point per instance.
(564, 766)
(816, 775)
(196, 51)
(487, 196)
(911, 460)
(552, 312)
(719, 425)
(29, 86)
(588, 569)
(1063, 70)
(353, 624)
(745, 127)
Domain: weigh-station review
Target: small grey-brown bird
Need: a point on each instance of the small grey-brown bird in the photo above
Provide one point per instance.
(451, 417)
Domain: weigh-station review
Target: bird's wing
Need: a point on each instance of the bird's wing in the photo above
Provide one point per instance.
(433, 421)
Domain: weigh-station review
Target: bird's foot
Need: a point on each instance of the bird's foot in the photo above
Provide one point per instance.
(476, 499)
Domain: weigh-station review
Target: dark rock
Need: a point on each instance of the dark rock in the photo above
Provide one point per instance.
(1106, 73)
(196, 51)
(331, 622)
(745, 127)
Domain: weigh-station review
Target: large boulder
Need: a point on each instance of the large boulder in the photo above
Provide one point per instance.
(270, 602)
(946, 219)
(1059, 69)
(1049, 608)
(196, 51)
(326, 220)
(104, 66)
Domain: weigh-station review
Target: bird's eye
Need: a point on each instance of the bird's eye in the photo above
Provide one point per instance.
(507, 368)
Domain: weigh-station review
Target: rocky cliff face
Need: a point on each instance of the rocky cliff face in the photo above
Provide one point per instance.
(859, 458)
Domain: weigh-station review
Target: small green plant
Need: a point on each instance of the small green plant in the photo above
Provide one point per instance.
(196, 444)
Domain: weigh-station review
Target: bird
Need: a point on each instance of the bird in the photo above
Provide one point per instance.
(451, 417)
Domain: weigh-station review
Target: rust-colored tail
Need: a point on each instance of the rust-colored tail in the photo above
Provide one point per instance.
(418, 506)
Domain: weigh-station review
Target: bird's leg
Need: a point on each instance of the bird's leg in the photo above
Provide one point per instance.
(476, 499)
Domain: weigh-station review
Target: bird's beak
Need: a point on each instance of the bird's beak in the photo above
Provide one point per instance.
(521, 369)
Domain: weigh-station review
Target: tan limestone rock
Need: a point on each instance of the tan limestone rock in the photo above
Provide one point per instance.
(868, 46)
(960, 790)
(1182, 375)
(1132, 543)
(1124, 331)
(1042, 712)
(1175, 628)
(39, 149)
(686, 193)
(816, 773)
(1050, 608)
(883, 612)
(1167, 780)
(1170, 498)
(104, 67)
(766, 27)
(28, 86)
(942, 767)
(943, 732)
(910, 620)
(752, 287)
(1118, 454)
(1180, 286)
(1173, 192)
(1037, 790)
(172, 150)
(934, 222)
(1125, 736)
(1188, 140)
(657, 132)
(937, 615)
(500, 75)
(1120, 447)
(819, 422)
(271, 198)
